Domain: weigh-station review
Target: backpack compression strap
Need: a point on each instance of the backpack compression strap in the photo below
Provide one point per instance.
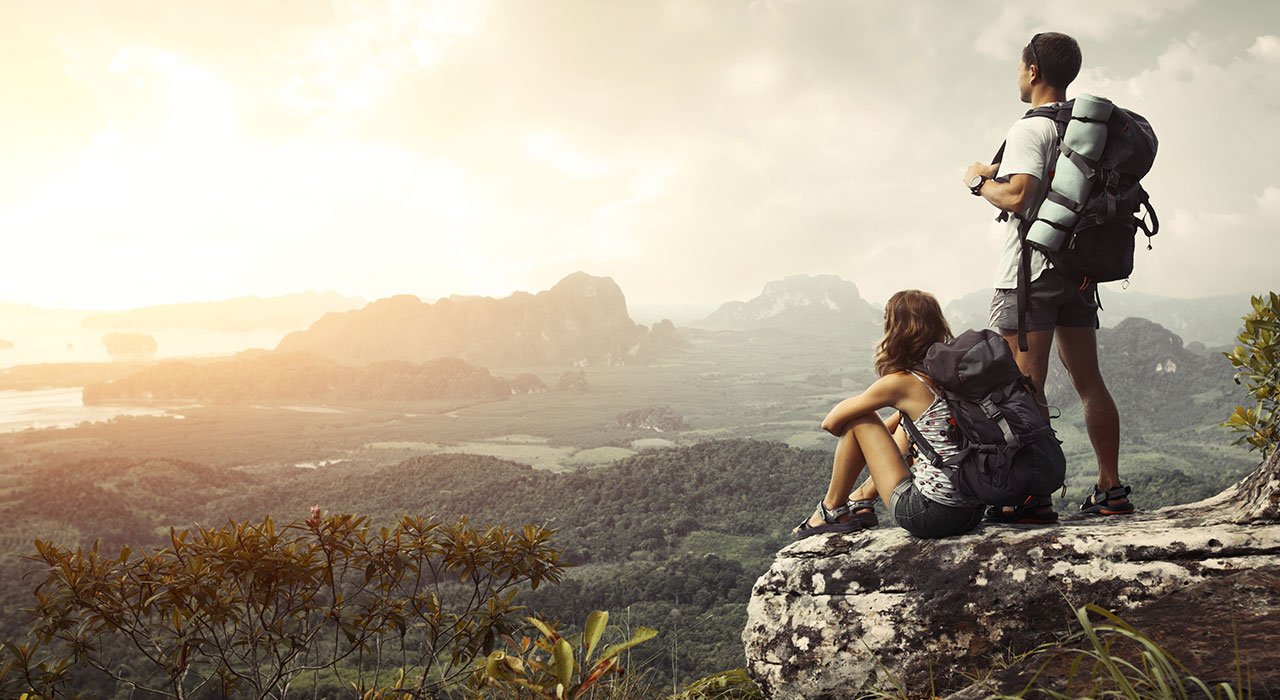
(1154, 227)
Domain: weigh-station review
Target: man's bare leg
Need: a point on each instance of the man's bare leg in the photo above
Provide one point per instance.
(1078, 350)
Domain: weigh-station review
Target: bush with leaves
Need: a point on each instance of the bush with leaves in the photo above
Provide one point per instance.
(244, 609)
(1256, 358)
(557, 667)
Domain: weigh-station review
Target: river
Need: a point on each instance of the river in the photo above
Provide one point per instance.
(58, 408)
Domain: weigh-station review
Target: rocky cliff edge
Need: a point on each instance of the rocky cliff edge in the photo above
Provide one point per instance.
(840, 614)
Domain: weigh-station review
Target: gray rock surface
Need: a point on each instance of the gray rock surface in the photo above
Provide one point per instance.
(838, 614)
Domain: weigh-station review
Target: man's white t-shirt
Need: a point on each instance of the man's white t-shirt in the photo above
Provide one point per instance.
(1030, 147)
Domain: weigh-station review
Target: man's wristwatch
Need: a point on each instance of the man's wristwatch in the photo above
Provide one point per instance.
(975, 184)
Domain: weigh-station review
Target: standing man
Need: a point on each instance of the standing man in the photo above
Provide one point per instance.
(1058, 309)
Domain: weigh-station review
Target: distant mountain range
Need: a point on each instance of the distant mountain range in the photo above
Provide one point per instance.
(580, 321)
(820, 304)
(288, 312)
(1211, 321)
(1158, 385)
(261, 375)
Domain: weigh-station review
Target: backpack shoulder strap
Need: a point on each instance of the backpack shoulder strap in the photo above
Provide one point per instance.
(919, 441)
(1049, 110)
(927, 385)
(1024, 283)
(1060, 114)
(1042, 111)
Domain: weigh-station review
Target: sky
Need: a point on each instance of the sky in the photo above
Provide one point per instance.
(156, 152)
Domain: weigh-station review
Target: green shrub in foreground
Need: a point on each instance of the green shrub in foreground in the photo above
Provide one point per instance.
(554, 666)
(1256, 358)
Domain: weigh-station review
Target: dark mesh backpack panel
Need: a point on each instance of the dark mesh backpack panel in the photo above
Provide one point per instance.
(1008, 450)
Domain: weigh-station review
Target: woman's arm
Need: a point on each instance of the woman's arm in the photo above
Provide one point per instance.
(886, 391)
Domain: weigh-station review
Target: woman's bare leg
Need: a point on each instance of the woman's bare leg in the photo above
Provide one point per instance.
(867, 490)
(845, 468)
(850, 460)
(881, 452)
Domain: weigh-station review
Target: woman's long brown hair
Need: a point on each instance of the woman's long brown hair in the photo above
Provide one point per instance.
(913, 321)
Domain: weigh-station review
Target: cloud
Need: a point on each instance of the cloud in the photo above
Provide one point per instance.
(1212, 102)
(552, 148)
(349, 67)
(1084, 19)
(1266, 46)
(1207, 252)
(1269, 203)
(691, 150)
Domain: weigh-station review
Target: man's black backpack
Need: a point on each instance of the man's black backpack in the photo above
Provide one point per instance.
(1100, 246)
(1008, 450)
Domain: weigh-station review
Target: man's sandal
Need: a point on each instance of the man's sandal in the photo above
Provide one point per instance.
(1112, 501)
(1035, 510)
(829, 518)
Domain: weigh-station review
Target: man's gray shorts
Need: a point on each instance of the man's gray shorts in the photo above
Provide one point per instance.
(1055, 301)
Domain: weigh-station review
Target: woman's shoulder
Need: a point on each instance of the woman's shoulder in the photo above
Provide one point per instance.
(900, 377)
(912, 381)
(909, 376)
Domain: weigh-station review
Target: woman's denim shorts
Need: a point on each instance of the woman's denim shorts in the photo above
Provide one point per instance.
(929, 519)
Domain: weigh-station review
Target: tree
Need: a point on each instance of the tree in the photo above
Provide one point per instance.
(247, 608)
(1256, 358)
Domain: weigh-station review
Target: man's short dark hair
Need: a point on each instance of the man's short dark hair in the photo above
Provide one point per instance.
(1056, 56)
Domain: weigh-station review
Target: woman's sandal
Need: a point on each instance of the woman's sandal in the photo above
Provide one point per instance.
(1112, 501)
(1036, 510)
(864, 511)
(829, 518)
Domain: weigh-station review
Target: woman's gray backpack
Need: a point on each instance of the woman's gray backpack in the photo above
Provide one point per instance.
(1008, 450)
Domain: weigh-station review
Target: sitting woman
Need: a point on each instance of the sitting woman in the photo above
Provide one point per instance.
(925, 503)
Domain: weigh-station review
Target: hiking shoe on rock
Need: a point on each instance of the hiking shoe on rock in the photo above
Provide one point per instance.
(1035, 510)
(1113, 501)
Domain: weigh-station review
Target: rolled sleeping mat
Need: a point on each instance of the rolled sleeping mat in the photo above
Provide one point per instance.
(1088, 138)
(1092, 107)
(1069, 181)
(1044, 236)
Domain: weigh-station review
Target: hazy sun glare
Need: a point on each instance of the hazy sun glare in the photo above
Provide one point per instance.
(691, 151)
(173, 197)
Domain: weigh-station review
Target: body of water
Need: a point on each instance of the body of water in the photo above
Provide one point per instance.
(59, 408)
